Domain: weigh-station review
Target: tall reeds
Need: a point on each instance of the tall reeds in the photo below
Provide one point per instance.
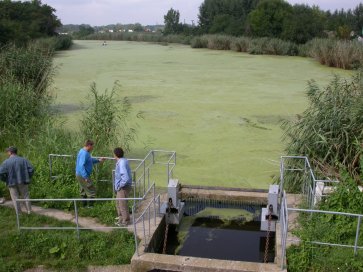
(330, 131)
(335, 53)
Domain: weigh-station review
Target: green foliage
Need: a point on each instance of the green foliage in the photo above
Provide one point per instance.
(258, 46)
(269, 18)
(303, 24)
(330, 131)
(25, 74)
(106, 119)
(21, 22)
(59, 250)
(30, 66)
(171, 21)
(84, 30)
(335, 53)
(225, 16)
(330, 229)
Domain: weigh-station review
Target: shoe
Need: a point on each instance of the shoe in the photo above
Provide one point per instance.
(2, 200)
(29, 212)
(117, 218)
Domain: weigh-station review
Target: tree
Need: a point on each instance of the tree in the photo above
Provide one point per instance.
(171, 21)
(138, 27)
(84, 30)
(304, 24)
(268, 19)
(22, 21)
(235, 12)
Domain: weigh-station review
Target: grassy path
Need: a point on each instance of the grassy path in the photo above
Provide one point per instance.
(220, 110)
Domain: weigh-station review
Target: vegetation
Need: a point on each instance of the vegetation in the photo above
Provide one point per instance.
(335, 53)
(21, 22)
(330, 229)
(59, 250)
(330, 130)
(226, 17)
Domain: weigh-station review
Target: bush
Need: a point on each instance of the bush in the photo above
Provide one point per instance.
(329, 228)
(241, 44)
(335, 53)
(199, 42)
(330, 131)
(62, 42)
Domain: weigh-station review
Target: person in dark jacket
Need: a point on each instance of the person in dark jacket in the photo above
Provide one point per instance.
(17, 173)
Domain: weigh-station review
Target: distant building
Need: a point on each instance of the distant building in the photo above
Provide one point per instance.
(110, 30)
(130, 30)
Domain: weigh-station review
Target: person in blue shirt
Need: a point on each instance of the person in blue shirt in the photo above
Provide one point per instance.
(122, 186)
(84, 166)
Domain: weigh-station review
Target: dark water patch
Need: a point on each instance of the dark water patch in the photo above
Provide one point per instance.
(249, 123)
(271, 119)
(66, 108)
(141, 98)
(213, 241)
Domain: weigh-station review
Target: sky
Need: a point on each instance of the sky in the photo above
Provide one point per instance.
(104, 12)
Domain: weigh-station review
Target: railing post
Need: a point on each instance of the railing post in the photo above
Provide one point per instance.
(143, 227)
(167, 175)
(144, 174)
(281, 177)
(154, 204)
(357, 236)
(76, 215)
(17, 215)
(135, 231)
(149, 220)
(148, 178)
(50, 166)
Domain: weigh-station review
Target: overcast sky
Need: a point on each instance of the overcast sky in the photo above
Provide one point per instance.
(103, 12)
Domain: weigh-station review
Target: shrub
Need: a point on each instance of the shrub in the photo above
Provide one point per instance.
(199, 42)
(219, 42)
(241, 44)
(30, 66)
(62, 42)
(330, 130)
(106, 119)
(335, 53)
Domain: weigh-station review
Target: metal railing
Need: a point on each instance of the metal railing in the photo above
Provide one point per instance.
(309, 182)
(147, 216)
(142, 186)
(313, 190)
(152, 207)
(284, 226)
(284, 222)
(141, 169)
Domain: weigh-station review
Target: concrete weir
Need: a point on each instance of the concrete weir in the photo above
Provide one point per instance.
(148, 260)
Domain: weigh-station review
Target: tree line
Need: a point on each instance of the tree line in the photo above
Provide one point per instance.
(269, 18)
(21, 22)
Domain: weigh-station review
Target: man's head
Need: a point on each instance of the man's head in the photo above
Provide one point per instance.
(11, 150)
(88, 145)
(119, 153)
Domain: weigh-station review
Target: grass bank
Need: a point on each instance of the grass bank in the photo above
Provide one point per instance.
(59, 250)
